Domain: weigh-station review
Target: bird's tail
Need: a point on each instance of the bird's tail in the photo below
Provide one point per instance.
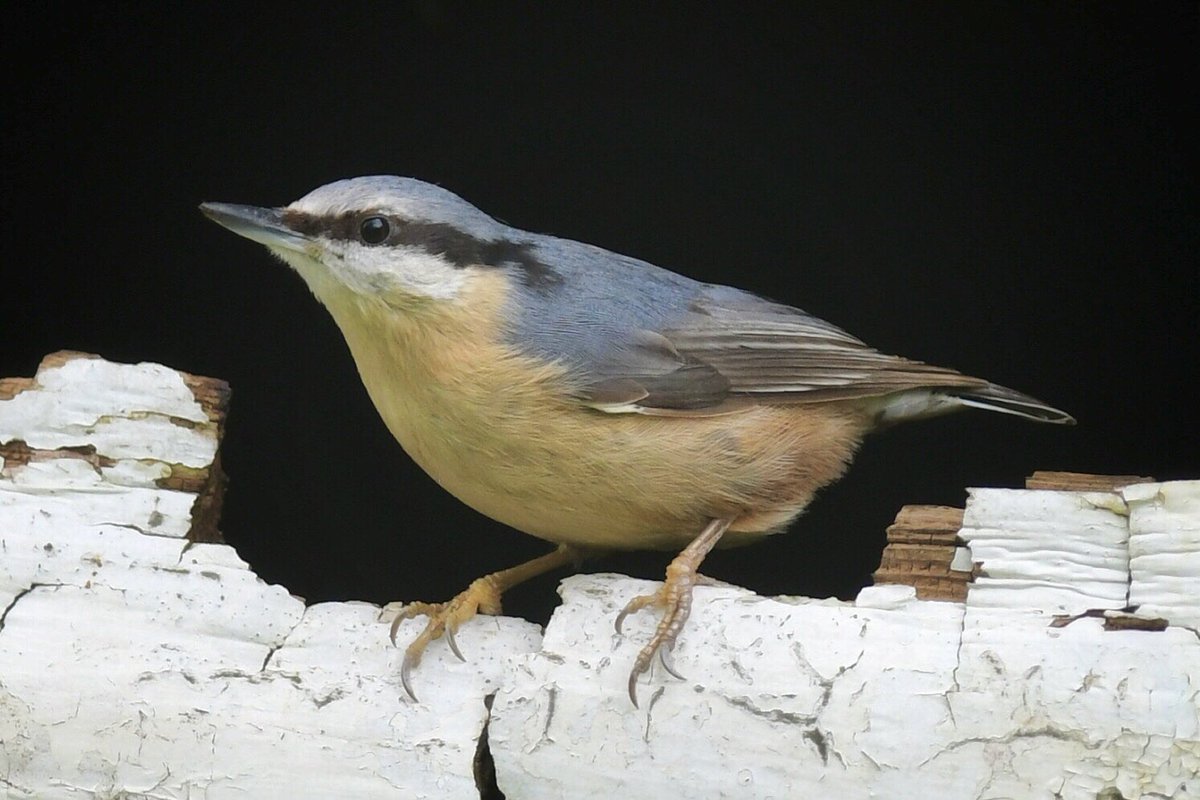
(1009, 401)
(935, 401)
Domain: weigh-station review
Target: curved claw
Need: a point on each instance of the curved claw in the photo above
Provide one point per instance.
(665, 659)
(643, 662)
(450, 640)
(416, 648)
(633, 676)
(437, 627)
(413, 610)
(637, 604)
(405, 679)
(664, 636)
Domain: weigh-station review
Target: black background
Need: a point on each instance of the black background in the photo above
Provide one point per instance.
(1005, 189)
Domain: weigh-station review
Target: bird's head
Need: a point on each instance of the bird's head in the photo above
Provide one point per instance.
(398, 240)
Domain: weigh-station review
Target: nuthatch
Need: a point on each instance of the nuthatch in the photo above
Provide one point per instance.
(588, 398)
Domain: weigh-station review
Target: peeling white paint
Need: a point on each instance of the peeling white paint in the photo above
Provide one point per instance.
(1164, 550)
(1060, 551)
(133, 663)
(888, 696)
(123, 410)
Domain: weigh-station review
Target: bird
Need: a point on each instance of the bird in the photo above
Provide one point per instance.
(588, 398)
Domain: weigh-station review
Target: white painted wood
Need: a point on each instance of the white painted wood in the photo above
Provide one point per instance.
(127, 411)
(1060, 551)
(136, 664)
(887, 696)
(1164, 550)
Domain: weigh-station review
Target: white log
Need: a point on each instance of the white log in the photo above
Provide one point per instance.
(134, 662)
(890, 696)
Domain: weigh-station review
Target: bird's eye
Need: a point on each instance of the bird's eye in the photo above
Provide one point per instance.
(374, 230)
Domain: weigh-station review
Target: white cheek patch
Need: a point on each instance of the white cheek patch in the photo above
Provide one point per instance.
(377, 271)
(403, 268)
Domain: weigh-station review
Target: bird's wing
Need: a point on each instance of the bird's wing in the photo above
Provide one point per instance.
(731, 349)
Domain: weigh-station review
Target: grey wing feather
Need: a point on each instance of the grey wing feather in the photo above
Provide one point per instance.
(731, 348)
(764, 348)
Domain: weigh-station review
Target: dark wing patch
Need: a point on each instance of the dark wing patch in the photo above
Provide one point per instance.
(650, 373)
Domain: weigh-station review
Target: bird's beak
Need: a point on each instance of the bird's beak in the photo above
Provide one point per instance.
(262, 225)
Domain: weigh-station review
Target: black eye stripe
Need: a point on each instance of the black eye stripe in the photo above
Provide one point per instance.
(341, 226)
(438, 238)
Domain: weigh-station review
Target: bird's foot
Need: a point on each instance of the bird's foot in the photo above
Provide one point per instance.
(481, 597)
(675, 600)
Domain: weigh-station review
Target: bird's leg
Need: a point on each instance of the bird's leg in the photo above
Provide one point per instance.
(481, 597)
(675, 598)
